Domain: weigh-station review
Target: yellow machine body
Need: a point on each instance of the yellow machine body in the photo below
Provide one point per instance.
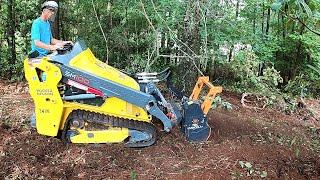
(47, 100)
(112, 135)
(52, 112)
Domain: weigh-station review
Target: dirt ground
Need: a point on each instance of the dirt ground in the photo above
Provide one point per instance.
(245, 143)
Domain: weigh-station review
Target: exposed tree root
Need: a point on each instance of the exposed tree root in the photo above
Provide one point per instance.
(259, 99)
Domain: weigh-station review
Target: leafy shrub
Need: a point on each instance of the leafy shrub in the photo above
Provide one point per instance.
(306, 84)
(244, 70)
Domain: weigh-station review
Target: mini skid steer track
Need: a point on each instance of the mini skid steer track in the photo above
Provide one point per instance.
(83, 100)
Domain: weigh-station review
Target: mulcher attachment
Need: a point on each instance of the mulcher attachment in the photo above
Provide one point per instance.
(191, 116)
(195, 125)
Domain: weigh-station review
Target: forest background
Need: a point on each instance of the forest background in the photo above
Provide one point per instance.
(271, 48)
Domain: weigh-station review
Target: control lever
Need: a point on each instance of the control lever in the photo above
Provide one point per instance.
(66, 48)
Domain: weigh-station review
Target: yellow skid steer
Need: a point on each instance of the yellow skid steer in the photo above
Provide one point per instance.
(83, 100)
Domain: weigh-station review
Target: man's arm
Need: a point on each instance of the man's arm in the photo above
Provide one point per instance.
(56, 41)
(60, 42)
(49, 47)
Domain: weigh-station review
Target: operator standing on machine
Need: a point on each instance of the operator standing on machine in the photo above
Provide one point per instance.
(42, 41)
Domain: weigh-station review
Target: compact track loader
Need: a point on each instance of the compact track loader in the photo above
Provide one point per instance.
(83, 100)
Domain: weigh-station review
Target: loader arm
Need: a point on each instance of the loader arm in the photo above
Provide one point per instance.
(108, 88)
(213, 91)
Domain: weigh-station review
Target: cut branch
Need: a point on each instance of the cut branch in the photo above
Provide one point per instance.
(315, 32)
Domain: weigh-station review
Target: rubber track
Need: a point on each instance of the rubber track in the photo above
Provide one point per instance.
(115, 122)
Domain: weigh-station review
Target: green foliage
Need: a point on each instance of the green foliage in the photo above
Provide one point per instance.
(276, 6)
(219, 102)
(266, 49)
(251, 171)
(133, 175)
(285, 55)
(303, 85)
(315, 143)
(25, 12)
(246, 79)
(307, 83)
(316, 69)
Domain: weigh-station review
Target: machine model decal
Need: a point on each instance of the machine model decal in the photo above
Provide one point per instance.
(44, 111)
(77, 77)
(44, 92)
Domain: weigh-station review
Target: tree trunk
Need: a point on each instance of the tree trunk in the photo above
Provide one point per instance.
(230, 53)
(1, 35)
(108, 30)
(110, 3)
(186, 25)
(299, 54)
(279, 25)
(238, 9)
(262, 24)
(63, 32)
(11, 36)
(255, 20)
(196, 31)
(126, 29)
(55, 27)
(283, 27)
(268, 21)
(192, 22)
